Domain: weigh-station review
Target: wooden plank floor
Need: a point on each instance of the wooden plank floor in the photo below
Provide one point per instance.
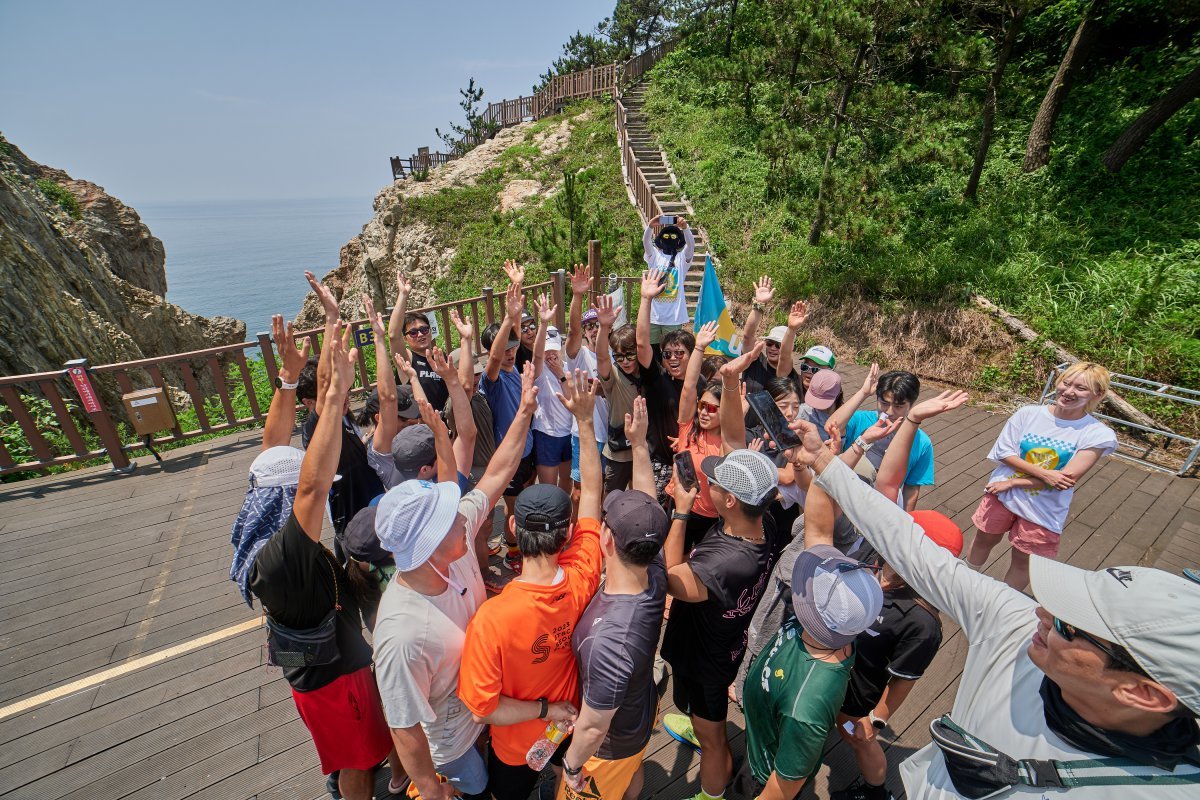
(102, 574)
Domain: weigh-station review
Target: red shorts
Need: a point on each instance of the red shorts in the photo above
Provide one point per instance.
(346, 721)
(993, 517)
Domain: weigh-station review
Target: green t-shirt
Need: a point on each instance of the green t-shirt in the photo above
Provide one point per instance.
(791, 701)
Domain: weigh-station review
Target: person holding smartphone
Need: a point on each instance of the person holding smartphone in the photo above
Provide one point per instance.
(669, 247)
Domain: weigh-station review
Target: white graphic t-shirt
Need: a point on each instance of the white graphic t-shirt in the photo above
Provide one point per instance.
(670, 307)
(1041, 438)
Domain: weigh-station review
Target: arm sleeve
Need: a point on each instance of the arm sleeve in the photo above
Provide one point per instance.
(707, 565)
(648, 247)
(405, 681)
(1099, 437)
(973, 600)
(479, 676)
(383, 465)
(689, 248)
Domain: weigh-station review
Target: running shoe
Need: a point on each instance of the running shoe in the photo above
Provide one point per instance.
(495, 548)
(493, 583)
(679, 728)
(512, 560)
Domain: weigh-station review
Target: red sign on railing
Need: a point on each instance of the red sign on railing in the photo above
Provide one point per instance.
(83, 387)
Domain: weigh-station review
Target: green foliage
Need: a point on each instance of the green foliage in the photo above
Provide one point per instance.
(59, 194)
(562, 240)
(1104, 264)
(461, 138)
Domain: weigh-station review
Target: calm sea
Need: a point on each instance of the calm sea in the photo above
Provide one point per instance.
(246, 259)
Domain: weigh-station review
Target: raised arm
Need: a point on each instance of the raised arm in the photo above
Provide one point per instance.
(281, 417)
(396, 323)
(795, 321)
(332, 316)
(733, 416)
(503, 466)
(689, 242)
(580, 400)
(447, 469)
(325, 449)
(464, 419)
(636, 425)
(764, 292)
(607, 312)
(648, 241)
(687, 395)
(466, 347)
(385, 383)
(841, 417)
(652, 287)
(545, 315)
(581, 283)
(409, 375)
(682, 583)
(513, 303)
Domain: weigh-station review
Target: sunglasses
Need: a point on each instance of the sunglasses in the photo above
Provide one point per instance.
(772, 345)
(844, 566)
(417, 331)
(674, 355)
(591, 326)
(526, 327)
(710, 408)
(1122, 659)
(622, 358)
(810, 368)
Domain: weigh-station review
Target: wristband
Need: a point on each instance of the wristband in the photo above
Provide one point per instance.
(913, 421)
(280, 383)
(544, 708)
(760, 307)
(675, 515)
(568, 770)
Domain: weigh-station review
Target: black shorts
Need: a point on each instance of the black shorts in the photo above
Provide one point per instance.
(506, 782)
(524, 472)
(699, 699)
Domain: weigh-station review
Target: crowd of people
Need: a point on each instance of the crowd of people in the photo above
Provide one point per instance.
(738, 529)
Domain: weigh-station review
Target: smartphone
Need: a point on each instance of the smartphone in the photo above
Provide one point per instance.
(687, 470)
(667, 219)
(773, 420)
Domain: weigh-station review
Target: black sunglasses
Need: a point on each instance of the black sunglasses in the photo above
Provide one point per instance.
(846, 566)
(417, 331)
(621, 358)
(1119, 657)
(526, 327)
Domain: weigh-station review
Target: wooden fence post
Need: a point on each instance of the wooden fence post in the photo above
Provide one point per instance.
(489, 308)
(559, 292)
(595, 268)
(93, 405)
(268, 357)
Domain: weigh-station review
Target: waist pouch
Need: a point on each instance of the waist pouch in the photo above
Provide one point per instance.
(617, 440)
(979, 770)
(292, 648)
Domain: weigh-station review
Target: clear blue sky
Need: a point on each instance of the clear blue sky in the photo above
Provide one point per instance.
(166, 101)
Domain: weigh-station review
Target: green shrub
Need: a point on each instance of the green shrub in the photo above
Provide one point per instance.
(59, 194)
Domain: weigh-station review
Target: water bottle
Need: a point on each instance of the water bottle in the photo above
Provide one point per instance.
(539, 755)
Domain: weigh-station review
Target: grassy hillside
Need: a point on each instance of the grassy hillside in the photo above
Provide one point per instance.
(1107, 265)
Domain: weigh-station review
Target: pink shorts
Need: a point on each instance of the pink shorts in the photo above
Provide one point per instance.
(993, 517)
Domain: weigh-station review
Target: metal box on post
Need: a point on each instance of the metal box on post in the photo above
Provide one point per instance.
(150, 412)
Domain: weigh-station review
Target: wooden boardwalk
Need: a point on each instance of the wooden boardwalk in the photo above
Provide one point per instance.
(110, 582)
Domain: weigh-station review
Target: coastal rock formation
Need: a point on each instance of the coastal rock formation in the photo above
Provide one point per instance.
(392, 240)
(89, 286)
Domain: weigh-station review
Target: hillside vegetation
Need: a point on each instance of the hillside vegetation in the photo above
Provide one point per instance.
(831, 145)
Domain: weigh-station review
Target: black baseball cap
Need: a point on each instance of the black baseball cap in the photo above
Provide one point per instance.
(361, 541)
(634, 516)
(406, 407)
(543, 507)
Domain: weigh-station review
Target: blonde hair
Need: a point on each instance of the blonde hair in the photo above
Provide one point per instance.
(1094, 375)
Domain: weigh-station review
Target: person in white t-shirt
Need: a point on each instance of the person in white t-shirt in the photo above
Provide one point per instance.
(668, 247)
(1091, 691)
(552, 422)
(423, 615)
(1042, 452)
(579, 351)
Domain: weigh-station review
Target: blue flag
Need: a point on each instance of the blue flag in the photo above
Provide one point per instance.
(711, 307)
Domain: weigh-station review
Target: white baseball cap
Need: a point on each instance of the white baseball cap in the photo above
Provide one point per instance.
(777, 333)
(413, 519)
(277, 466)
(553, 339)
(821, 355)
(1151, 613)
(748, 475)
(835, 597)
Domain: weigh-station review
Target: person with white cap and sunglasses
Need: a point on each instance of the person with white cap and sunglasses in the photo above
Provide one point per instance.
(1091, 687)
(423, 616)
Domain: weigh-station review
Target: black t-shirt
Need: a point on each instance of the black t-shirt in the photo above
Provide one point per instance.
(524, 356)
(706, 640)
(359, 483)
(615, 641)
(435, 388)
(662, 410)
(293, 577)
(760, 372)
(908, 637)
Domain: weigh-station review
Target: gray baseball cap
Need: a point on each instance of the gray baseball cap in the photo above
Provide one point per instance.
(412, 448)
(835, 597)
(748, 475)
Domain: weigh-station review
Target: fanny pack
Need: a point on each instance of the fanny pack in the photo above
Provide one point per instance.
(979, 770)
(292, 648)
(617, 440)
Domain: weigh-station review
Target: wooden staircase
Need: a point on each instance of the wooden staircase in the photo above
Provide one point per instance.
(651, 182)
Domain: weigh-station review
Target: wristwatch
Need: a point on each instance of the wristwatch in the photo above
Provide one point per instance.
(760, 307)
(866, 447)
(675, 515)
(877, 723)
(544, 708)
(281, 384)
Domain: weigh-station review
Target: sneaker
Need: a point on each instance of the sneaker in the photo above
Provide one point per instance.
(493, 583)
(860, 791)
(512, 560)
(679, 728)
(331, 786)
(494, 549)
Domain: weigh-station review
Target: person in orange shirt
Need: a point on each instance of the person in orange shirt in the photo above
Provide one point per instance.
(518, 670)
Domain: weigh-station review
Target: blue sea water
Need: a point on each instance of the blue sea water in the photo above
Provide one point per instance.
(245, 259)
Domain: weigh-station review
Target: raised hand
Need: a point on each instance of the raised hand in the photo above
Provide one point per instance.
(403, 287)
(607, 310)
(871, 381)
(343, 362)
(810, 443)
(758, 444)
(577, 396)
(652, 284)
(636, 423)
(285, 342)
(515, 272)
(441, 365)
(545, 309)
(764, 290)
(706, 336)
(581, 279)
(374, 318)
(684, 497)
(405, 366)
(528, 392)
(946, 401)
(514, 303)
(881, 429)
(466, 330)
(328, 302)
(798, 315)
(740, 364)
(432, 418)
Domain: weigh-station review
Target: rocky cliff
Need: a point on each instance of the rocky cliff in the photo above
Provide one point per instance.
(84, 278)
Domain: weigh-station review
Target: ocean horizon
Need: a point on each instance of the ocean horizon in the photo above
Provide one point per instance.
(245, 258)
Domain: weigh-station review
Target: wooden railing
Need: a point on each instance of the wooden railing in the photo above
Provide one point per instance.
(558, 91)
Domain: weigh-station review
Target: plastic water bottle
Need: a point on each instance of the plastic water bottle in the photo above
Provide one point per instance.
(539, 755)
